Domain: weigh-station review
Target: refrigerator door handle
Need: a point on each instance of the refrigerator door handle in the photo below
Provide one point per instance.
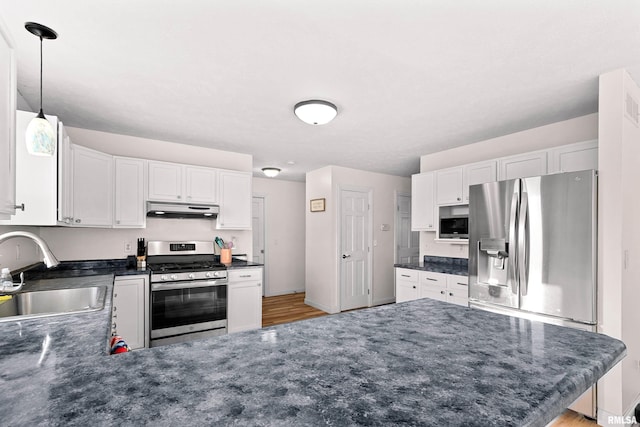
(523, 267)
(513, 258)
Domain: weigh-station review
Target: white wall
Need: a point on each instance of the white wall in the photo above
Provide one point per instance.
(322, 265)
(131, 146)
(583, 128)
(284, 234)
(618, 241)
(107, 243)
(18, 252)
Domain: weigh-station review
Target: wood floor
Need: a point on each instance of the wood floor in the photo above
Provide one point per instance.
(291, 307)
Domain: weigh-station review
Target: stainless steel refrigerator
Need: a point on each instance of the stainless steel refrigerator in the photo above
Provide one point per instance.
(532, 249)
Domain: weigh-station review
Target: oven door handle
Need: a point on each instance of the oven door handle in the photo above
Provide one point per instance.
(187, 285)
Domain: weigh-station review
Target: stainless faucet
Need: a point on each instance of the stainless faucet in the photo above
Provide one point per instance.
(49, 258)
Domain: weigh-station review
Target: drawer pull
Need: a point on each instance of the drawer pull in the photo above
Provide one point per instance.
(245, 275)
(463, 284)
(433, 280)
(405, 275)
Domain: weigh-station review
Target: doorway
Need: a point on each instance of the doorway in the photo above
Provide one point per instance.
(355, 244)
(407, 241)
(257, 222)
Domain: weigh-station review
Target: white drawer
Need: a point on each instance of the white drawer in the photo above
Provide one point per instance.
(457, 282)
(434, 280)
(406, 274)
(245, 274)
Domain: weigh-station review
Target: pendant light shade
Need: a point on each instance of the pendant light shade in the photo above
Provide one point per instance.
(315, 112)
(40, 136)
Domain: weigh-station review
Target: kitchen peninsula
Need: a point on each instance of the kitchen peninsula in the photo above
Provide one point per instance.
(423, 362)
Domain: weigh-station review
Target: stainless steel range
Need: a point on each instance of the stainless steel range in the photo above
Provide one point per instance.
(188, 292)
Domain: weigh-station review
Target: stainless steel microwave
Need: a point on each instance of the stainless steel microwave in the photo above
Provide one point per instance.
(454, 227)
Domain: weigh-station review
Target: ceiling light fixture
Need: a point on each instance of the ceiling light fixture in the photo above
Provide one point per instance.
(40, 136)
(315, 112)
(271, 172)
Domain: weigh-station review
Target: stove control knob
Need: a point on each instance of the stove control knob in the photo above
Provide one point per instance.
(207, 274)
(191, 276)
(174, 277)
(163, 277)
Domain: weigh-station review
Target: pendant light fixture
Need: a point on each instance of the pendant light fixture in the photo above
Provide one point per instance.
(315, 112)
(271, 172)
(40, 136)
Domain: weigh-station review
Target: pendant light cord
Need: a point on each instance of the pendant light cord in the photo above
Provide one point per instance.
(40, 73)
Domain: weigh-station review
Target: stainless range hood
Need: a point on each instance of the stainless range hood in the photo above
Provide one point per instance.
(182, 210)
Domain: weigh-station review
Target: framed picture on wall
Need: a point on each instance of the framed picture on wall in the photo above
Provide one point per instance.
(317, 205)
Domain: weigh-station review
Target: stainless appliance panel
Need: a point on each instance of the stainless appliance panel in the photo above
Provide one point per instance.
(492, 247)
(557, 229)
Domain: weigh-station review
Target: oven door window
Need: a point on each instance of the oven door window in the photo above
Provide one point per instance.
(179, 307)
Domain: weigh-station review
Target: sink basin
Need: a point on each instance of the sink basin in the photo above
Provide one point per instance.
(27, 305)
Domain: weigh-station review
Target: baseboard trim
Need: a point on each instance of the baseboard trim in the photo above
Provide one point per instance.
(287, 292)
(385, 301)
(326, 309)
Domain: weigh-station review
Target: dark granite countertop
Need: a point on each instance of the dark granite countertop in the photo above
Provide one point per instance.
(436, 264)
(118, 267)
(422, 362)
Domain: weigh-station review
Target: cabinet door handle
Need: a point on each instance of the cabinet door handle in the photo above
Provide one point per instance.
(442, 292)
(259, 284)
(179, 197)
(78, 221)
(117, 221)
(115, 308)
(20, 206)
(430, 225)
(458, 198)
(414, 287)
(450, 294)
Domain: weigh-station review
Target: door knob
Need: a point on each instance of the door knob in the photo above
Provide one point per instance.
(345, 256)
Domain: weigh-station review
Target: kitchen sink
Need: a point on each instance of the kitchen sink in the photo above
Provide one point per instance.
(28, 305)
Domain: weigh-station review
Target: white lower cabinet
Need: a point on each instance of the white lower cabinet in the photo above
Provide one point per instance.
(130, 310)
(244, 300)
(415, 284)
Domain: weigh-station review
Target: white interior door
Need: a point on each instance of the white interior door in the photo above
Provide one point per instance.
(407, 241)
(354, 255)
(258, 233)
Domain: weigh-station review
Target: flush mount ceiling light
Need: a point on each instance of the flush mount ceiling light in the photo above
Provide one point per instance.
(315, 112)
(271, 172)
(40, 136)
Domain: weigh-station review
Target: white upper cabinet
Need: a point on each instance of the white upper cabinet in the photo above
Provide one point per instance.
(129, 192)
(201, 184)
(172, 182)
(92, 188)
(36, 179)
(574, 157)
(523, 165)
(235, 200)
(165, 182)
(422, 202)
(449, 186)
(8, 95)
(478, 173)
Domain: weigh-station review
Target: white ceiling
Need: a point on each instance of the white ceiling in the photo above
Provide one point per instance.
(409, 77)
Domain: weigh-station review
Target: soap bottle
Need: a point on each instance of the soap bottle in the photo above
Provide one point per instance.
(6, 281)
